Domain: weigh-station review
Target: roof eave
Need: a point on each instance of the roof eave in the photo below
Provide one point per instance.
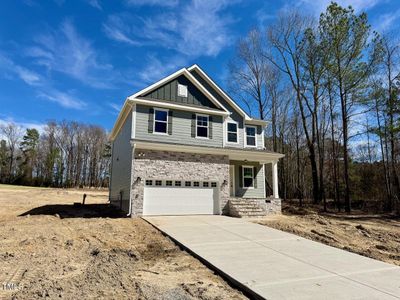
(120, 119)
(234, 154)
(147, 102)
(221, 92)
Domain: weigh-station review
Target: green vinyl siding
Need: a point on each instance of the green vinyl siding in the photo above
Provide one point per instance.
(181, 129)
(258, 191)
(169, 92)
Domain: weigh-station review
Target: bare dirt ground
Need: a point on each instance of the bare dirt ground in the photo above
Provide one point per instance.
(52, 249)
(375, 236)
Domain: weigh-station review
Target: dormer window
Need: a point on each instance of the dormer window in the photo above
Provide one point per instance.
(182, 90)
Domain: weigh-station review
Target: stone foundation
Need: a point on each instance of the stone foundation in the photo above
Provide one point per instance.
(163, 165)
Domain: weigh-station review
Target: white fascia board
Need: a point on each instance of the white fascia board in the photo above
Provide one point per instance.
(222, 93)
(204, 90)
(234, 154)
(178, 107)
(123, 114)
(257, 122)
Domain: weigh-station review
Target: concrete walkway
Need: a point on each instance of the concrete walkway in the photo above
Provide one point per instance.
(277, 265)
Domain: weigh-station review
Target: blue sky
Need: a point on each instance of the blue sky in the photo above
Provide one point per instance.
(79, 59)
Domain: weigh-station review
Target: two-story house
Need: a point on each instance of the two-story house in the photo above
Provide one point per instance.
(183, 146)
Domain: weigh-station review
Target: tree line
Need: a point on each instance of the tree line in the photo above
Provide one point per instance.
(331, 89)
(65, 154)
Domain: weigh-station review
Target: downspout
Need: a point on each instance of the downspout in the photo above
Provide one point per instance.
(111, 171)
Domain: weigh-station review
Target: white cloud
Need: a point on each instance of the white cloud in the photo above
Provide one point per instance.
(318, 6)
(95, 4)
(23, 124)
(197, 28)
(156, 68)
(64, 99)
(67, 52)
(10, 68)
(117, 30)
(167, 3)
(116, 107)
(386, 22)
(203, 30)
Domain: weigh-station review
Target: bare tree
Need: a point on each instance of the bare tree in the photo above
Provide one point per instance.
(12, 134)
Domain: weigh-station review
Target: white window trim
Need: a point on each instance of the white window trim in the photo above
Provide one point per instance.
(252, 173)
(208, 127)
(263, 138)
(237, 132)
(154, 121)
(255, 136)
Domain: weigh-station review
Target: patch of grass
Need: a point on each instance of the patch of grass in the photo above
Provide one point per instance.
(19, 187)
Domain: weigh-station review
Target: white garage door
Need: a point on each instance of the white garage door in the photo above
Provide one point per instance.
(177, 197)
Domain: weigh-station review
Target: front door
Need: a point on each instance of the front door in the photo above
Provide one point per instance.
(232, 180)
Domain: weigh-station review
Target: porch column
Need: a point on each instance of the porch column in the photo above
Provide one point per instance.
(275, 179)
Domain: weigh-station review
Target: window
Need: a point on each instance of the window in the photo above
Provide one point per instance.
(248, 177)
(168, 183)
(188, 183)
(202, 126)
(149, 182)
(160, 120)
(232, 128)
(213, 184)
(250, 136)
(196, 183)
(182, 90)
(158, 182)
(177, 183)
(205, 184)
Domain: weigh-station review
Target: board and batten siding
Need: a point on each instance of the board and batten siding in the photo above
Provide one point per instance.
(181, 129)
(256, 192)
(121, 166)
(235, 116)
(169, 92)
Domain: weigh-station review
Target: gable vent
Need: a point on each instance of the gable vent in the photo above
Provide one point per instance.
(182, 90)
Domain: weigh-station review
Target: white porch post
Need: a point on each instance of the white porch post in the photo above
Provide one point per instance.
(265, 191)
(275, 179)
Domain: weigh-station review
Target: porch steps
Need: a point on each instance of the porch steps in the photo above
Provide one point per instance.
(243, 208)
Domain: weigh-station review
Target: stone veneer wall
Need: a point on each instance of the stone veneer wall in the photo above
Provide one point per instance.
(273, 207)
(270, 205)
(150, 164)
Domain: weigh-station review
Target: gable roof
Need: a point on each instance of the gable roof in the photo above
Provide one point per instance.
(219, 91)
(178, 73)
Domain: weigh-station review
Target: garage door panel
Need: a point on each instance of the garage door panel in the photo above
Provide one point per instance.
(180, 200)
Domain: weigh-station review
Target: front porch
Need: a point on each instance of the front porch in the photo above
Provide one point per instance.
(247, 187)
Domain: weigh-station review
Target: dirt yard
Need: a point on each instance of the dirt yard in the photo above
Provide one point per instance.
(52, 249)
(373, 236)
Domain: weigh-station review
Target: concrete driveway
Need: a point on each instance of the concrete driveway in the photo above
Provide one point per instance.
(273, 264)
